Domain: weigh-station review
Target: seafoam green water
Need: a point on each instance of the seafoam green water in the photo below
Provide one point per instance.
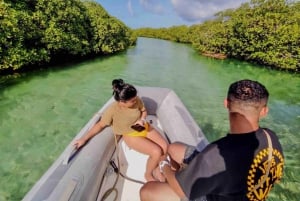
(41, 112)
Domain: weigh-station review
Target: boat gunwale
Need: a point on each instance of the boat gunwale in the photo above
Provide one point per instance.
(157, 103)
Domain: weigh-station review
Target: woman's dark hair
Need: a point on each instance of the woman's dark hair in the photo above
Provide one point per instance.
(123, 91)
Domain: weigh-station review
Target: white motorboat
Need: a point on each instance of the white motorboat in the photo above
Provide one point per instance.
(105, 168)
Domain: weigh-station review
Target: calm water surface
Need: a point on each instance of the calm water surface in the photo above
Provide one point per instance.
(42, 111)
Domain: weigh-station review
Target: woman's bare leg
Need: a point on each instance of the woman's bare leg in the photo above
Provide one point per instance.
(156, 137)
(148, 147)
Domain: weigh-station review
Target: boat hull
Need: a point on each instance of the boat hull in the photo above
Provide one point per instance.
(86, 174)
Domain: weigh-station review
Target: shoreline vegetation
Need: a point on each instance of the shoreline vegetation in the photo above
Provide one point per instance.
(36, 34)
(215, 55)
(265, 32)
(39, 33)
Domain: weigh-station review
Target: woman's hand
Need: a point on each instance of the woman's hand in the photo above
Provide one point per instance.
(79, 143)
(141, 122)
(97, 128)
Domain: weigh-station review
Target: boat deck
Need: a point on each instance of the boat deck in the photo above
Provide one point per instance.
(132, 164)
(87, 174)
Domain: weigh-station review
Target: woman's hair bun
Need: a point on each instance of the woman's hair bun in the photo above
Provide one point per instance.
(117, 84)
(123, 91)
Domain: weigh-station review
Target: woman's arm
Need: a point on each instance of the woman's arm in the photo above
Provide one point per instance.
(143, 110)
(97, 128)
(144, 115)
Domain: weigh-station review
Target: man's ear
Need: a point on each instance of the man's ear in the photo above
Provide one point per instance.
(264, 111)
(225, 103)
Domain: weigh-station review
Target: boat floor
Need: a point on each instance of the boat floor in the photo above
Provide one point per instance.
(86, 174)
(133, 167)
(132, 164)
(131, 188)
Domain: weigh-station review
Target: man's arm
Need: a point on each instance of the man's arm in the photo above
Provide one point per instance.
(172, 181)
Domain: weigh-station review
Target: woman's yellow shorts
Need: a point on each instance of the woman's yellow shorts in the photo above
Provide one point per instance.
(141, 133)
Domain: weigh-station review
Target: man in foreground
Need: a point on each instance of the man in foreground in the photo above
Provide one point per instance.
(242, 166)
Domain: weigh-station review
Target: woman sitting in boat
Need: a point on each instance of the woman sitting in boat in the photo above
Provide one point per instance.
(127, 116)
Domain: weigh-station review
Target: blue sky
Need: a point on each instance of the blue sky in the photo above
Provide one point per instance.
(165, 13)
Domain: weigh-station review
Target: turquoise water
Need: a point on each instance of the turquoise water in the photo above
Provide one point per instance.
(42, 111)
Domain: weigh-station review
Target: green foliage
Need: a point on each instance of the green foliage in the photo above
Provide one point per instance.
(262, 31)
(65, 26)
(212, 37)
(175, 33)
(9, 34)
(34, 32)
(109, 34)
(266, 32)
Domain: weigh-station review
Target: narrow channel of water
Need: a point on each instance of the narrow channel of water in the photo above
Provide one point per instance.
(42, 111)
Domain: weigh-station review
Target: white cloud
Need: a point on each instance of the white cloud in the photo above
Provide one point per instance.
(199, 10)
(152, 6)
(129, 7)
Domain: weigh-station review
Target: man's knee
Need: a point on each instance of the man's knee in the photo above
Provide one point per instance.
(157, 191)
(176, 151)
(145, 192)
